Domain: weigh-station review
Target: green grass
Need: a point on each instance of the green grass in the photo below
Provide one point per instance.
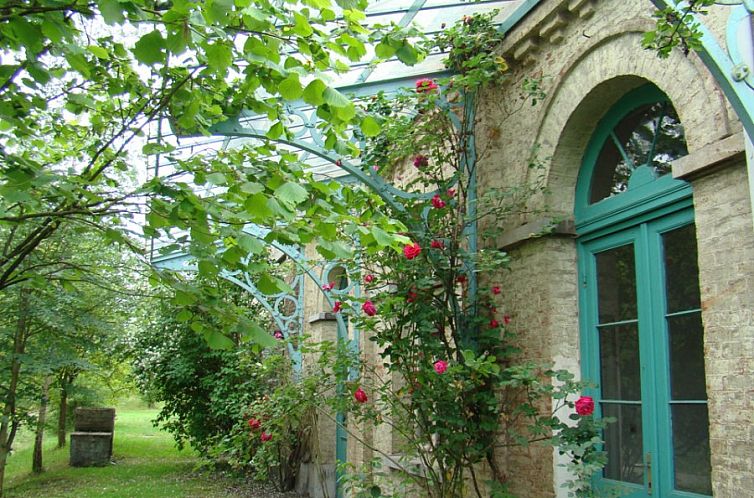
(147, 465)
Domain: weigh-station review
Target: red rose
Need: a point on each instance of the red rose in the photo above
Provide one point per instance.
(437, 202)
(411, 297)
(494, 324)
(369, 278)
(336, 307)
(421, 161)
(585, 406)
(441, 366)
(265, 437)
(360, 396)
(369, 308)
(496, 290)
(412, 250)
(425, 85)
(461, 279)
(327, 287)
(506, 319)
(451, 192)
(278, 334)
(437, 244)
(254, 424)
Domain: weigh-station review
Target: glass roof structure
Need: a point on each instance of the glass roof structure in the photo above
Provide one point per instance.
(364, 78)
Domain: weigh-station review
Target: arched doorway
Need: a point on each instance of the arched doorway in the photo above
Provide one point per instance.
(640, 316)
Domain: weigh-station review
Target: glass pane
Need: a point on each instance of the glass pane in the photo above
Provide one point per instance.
(623, 443)
(685, 338)
(681, 269)
(651, 134)
(670, 142)
(691, 448)
(611, 173)
(616, 284)
(620, 373)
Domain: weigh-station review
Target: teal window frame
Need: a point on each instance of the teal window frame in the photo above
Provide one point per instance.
(646, 194)
(639, 216)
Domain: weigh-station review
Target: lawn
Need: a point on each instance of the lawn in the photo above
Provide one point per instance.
(146, 465)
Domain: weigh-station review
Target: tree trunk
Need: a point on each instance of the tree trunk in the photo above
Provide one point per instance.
(66, 379)
(62, 414)
(36, 465)
(9, 425)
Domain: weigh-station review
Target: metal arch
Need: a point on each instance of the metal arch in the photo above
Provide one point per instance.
(291, 324)
(731, 74)
(386, 191)
(285, 324)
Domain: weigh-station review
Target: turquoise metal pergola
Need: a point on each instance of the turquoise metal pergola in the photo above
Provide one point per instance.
(731, 62)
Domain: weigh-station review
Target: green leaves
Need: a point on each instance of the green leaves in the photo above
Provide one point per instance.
(112, 11)
(251, 331)
(314, 92)
(290, 88)
(217, 340)
(370, 127)
(150, 49)
(219, 57)
(291, 194)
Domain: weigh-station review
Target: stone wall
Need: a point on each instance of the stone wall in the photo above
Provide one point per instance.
(726, 272)
(587, 55)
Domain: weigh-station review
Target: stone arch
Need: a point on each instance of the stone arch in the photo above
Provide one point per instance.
(595, 79)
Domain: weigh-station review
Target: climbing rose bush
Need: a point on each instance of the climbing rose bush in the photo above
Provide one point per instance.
(450, 379)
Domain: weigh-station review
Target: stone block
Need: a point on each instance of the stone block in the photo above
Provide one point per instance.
(90, 449)
(94, 420)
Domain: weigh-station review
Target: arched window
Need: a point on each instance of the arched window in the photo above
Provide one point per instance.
(641, 327)
(650, 135)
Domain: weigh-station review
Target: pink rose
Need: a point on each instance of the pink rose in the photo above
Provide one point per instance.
(506, 319)
(412, 250)
(437, 244)
(451, 192)
(254, 424)
(369, 308)
(425, 85)
(278, 334)
(328, 287)
(441, 366)
(496, 290)
(360, 396)
(421, 161)
(437, 202)
(336, 307)
(265, 437)
(369, 278)
(585, 406)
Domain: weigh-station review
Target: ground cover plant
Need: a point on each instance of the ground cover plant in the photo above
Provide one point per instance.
(146, 463)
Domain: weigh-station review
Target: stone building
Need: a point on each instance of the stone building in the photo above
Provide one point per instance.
(645, 284)
(644, 280)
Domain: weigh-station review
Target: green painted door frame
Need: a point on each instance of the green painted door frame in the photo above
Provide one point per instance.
(645, 241)
(628, 230)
